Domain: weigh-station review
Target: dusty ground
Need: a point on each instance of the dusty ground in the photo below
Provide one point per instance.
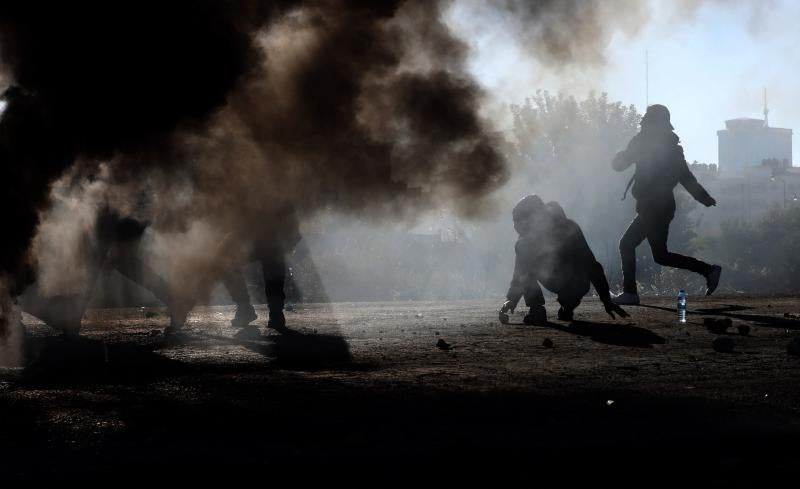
(359, 394)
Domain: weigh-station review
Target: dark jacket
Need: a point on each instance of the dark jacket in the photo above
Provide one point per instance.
(556, 255)
(660, 166)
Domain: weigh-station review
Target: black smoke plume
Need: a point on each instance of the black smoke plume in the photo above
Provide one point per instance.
(246, 106)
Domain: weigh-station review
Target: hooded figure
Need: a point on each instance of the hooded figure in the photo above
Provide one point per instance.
(552, 251)
(660, 166)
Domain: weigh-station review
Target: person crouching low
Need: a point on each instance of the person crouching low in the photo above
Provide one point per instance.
(552, 251)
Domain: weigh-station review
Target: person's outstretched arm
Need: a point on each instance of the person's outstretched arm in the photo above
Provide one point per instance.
(690, 183)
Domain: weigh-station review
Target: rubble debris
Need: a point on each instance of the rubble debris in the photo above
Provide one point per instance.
(547, 343)
(442, 344)
(744, 329)
(724, 344)
(793, 347)
(717, 326)
(789, 315)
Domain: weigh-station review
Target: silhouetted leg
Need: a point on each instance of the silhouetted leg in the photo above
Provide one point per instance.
(633, 236)
(273, 266)
(657, 235)
(124, 259)
(64, 312)
(534, 299)
(570, 297)
(237, 287)
(533, 293)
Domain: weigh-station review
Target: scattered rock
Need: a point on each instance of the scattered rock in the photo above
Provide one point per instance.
(503, 317)
(418, 315)
(442, 344)
(155, 332)
(436, 333)
(609, 402)
(547, 343)
(793, 348)
(744, 329)
(150, 314)
(789, 315)
(724, 344)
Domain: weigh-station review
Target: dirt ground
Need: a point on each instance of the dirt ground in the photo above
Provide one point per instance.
(360, 394)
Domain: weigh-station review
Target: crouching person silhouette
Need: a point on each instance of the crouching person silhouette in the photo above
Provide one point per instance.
(552, 251)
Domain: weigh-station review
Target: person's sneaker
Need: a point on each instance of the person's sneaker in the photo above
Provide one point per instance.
(564, 314)
(245, 314)
(627, 299)
(712, 279)
(537, 315)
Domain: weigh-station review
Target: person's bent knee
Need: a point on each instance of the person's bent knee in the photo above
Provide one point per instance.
(626, 246)
(661, 258)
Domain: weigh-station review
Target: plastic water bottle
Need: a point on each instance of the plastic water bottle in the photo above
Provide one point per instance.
(682, 306)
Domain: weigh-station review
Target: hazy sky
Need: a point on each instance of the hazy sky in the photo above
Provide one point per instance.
(707, 64)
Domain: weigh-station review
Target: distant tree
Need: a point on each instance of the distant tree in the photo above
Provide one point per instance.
(559, 132)
(760, 257)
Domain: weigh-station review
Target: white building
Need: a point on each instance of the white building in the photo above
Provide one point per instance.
(745, 143)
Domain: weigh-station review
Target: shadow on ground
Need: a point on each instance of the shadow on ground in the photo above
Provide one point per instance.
(612, 334)
(733, 311)
(67, 360)
(296, 350)
(64, 360)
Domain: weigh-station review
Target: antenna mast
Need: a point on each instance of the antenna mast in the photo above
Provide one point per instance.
(766, 110)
